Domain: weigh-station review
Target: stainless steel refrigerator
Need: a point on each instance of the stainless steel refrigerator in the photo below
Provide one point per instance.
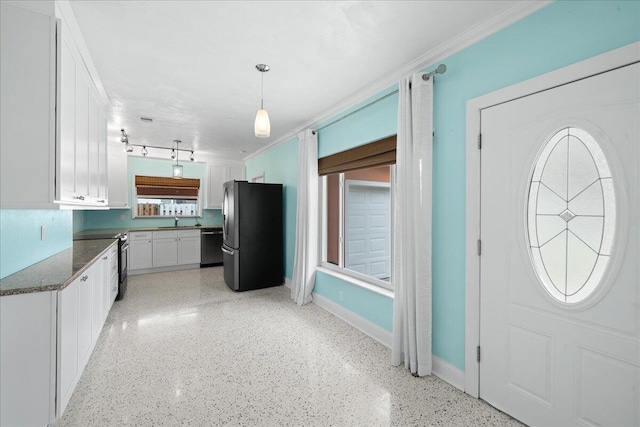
(252, 235)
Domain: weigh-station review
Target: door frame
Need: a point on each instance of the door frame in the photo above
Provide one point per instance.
(598, 64)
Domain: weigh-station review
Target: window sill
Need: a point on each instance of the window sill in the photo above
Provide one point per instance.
(355, 281)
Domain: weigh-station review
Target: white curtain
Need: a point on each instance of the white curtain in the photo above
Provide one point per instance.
(306, 253)
(411, 268)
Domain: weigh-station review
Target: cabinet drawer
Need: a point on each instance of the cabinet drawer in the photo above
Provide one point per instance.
(167, 234)
(188, 233)
(140, 235)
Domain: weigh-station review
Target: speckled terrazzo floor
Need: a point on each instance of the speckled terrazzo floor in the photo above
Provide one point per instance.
(183, 349)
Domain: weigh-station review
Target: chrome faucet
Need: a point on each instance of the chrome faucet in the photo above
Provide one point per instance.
(176, 223)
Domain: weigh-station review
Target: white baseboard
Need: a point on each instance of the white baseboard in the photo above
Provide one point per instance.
(447, 372)
(162, 269)
(287, 282)
(371, 329)
(439, 367)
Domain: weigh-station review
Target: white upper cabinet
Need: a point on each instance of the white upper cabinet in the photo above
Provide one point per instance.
(118, 188)
(82, 151)
(52, 112)
(28, 97)
(218, 175)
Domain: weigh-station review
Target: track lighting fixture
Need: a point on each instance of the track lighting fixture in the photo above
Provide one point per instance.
(177, 168)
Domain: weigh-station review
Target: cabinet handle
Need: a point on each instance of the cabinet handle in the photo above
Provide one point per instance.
(80, 197)
(101, 201)
(84, 278)
(104, 257)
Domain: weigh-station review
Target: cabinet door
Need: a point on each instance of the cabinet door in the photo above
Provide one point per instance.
(188, 250)
(28, 99)
(235, 173)
(165, 252)
(82, 134)
(102, 159)
(105, 278)
(140, 254)
(94, 159)
(27, 359)
(118, 193)
(85, 312)
(98, 273)
(67, 121)
(214, 187)
(113, 280)
(67, 343)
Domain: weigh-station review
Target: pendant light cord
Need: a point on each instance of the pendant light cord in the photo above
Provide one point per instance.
(262, 90)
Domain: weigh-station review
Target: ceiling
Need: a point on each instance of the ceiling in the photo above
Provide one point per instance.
(190, 65)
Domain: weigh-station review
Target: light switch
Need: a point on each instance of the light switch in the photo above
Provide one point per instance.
(42, 232)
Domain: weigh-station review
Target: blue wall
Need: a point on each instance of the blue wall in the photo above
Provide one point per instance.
(84, 220)
(21, 246)
(280, 166)
(562, 33)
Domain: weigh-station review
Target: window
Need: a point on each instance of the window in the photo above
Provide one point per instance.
(571, 215)
(166, 197)
(357, 211)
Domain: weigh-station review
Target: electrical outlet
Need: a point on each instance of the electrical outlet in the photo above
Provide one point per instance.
(340, 296)
(121, 217)
(210, 216)
(43, 232)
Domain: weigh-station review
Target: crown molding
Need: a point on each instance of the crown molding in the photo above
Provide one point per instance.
(465, 39)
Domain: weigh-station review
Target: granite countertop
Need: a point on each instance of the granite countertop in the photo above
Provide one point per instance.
(113, 231)
(57, 271)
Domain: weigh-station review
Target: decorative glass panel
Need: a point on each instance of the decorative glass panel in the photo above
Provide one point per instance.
(571, 215)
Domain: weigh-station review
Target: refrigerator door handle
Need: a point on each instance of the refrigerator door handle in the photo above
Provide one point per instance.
(227, 251)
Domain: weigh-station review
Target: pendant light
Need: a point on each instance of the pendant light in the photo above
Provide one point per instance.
(262, 127)
(177, 168)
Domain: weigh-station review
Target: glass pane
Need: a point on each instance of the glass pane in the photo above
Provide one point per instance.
(554, 260)
(367, 228)
(549, 202)
(588, 229)
(554, 174)
(571, 215)
(580, 263)
(609, 216)
(582, 169)
(589, 202)
(549, 227)
(332, 226)
(598, 156)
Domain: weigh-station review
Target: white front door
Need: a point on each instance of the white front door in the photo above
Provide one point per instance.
(560, 263)
(368, 228)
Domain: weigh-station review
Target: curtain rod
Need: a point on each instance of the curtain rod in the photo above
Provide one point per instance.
(439, 70)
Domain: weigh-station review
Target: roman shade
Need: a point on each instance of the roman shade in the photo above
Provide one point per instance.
(377, 153)
(159, 187)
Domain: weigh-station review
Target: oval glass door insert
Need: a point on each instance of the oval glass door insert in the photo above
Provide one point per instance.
(571, 215)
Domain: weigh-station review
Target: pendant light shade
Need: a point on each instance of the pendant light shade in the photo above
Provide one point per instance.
(262, 126)
(177, 168)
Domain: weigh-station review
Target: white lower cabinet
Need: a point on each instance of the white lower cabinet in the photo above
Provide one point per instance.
(28, 358)
(189, 247)
(140, 250)
(165, 248)
(81, 316)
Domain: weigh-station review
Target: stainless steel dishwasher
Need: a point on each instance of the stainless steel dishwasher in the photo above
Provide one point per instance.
(210, 248)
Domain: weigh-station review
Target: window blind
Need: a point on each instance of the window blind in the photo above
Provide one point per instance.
(377, 153)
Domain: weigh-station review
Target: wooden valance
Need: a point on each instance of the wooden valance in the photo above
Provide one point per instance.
(378, 153)
(159, 186)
